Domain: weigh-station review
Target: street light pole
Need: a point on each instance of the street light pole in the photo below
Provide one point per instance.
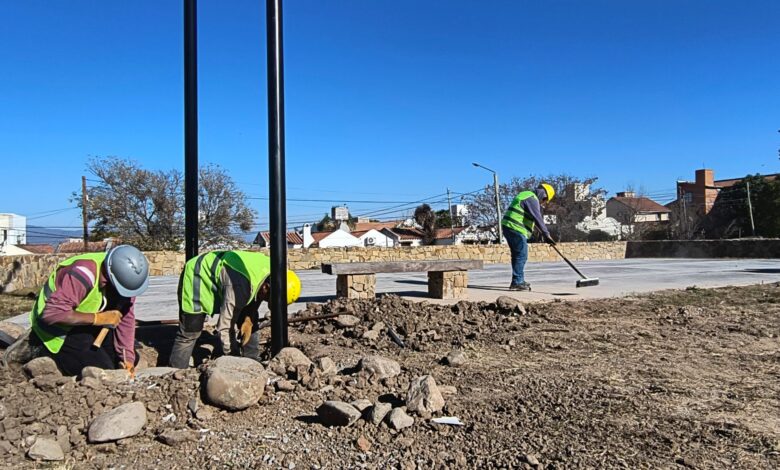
(498, 201)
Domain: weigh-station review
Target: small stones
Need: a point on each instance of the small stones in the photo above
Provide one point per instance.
(379, 367)
(363, 444)
(285, 386)
(123, 421)
(46, 449)
(424, 396)
(106, 375)
(235, 383)
(175, 437)
(509, 305)
(347, 321)
(455, 358)
(361, 405)
(337, 413)
(398, 419)
(41, 366)
(156, 372)
(378, 413)
(326, 366)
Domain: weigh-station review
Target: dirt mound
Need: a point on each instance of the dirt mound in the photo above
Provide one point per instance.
(674, 379)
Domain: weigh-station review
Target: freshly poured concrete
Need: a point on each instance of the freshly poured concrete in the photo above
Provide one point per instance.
(549, 281)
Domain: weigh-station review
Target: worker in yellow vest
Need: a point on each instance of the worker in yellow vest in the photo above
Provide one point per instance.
(517, 225)
(232, 284)
(83, 295)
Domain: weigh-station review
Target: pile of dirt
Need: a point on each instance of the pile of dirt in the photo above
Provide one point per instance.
(679, 378)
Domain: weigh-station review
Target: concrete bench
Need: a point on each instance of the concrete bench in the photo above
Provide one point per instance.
(447, 279)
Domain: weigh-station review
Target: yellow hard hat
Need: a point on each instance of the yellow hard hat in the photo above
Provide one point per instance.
(549, 190)
(293, 287)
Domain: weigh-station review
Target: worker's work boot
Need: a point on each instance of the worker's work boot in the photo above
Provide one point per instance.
(524, 286)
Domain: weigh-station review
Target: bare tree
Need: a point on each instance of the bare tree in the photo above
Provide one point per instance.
(145, 207)
(425, 217)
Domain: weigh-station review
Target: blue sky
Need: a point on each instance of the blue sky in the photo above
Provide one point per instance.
(392, 101)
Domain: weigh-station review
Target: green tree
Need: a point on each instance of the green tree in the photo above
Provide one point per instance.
(443, 219)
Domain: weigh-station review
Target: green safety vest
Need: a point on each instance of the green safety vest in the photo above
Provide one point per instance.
(516, 218)
(53, 336)
(201, 286)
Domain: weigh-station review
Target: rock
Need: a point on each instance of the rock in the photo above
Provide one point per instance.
(123, 421)
(3, 411)
(448, 390)
(424, 396)
(510, 305)
(326, 366)
(41, 366)
(337, 413)
(235, 383)
(285, 386)
(46, 383)
(398, 419)
(378, 326)
(378, 412)
(175, 437)
(155, 372)
(361, 405)
(532, 461)
(371, 335)
(347, 321)
(455, 359)
(288, 357)
(363, 444)
(106, 375)
(11, 329)
(379, 367)
(45, 449)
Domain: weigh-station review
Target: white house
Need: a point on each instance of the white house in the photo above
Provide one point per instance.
(374, 237)
(13, 232)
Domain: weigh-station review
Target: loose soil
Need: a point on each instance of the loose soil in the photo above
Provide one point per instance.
(669, 380)
(15, 303)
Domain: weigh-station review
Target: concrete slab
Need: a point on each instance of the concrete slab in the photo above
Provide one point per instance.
(549, 281)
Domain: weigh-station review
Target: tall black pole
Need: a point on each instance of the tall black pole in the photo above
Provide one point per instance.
(190, 129)
(276, 177)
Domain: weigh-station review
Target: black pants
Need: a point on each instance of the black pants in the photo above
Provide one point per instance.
(77, 352)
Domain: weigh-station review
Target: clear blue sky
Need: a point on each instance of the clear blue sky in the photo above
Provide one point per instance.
(392, 101)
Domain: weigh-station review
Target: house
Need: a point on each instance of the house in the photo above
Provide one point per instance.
(263, 240)
(374, 237)
(699, 196)
(630, 209)
(38, 248)
(13, 232)
(331, 239)
(77, 246)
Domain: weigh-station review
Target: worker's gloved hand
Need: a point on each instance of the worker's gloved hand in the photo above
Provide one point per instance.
(130, 368)
(549, 239)
(109, 318)
(246, 330)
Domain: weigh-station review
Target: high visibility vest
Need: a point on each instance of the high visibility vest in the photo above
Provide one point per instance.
(53, 335)
(516, 218)
(201, 287)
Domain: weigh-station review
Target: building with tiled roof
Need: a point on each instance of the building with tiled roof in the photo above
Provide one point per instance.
(294, 240)
(628, 208)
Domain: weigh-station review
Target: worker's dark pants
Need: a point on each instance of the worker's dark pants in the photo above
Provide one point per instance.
(77, 352)
(518, 247)
(190, 328)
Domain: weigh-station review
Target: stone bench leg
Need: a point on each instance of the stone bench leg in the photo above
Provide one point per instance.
(448, 284)
(356, 286)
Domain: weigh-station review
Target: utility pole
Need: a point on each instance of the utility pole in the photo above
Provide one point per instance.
(750, 208)
(498, 209)
(84, 220)
(190, 129)
(452, 223)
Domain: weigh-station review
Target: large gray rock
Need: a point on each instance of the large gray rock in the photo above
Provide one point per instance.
(41, 366)
(455, 359)
(424, 396)
(378, 412)
(123, 421)
(379, 367)
(337, 413)
(155, 372)
(398, 419)
(46, 449)
(288, 357)
(347, 321)
(235, 383)
(105, 375)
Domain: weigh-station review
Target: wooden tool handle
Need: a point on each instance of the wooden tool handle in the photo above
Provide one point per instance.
(100, 337)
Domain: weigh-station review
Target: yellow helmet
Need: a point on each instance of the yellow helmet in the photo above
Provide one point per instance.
(293, 287)
(549, 190)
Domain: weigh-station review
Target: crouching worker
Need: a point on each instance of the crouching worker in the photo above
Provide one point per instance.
(85, 294)
(232, 284)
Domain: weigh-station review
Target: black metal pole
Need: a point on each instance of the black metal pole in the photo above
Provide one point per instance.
(190, 129)
(276, 177)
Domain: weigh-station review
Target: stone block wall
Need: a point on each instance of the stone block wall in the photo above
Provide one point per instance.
(30, 271)
(448, 284)
(356, 286)
(739, 248)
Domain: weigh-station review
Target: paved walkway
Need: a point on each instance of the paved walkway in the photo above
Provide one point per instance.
(549, 280)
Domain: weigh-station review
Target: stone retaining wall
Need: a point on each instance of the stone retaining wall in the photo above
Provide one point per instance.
(20, 272)
(741, 248)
